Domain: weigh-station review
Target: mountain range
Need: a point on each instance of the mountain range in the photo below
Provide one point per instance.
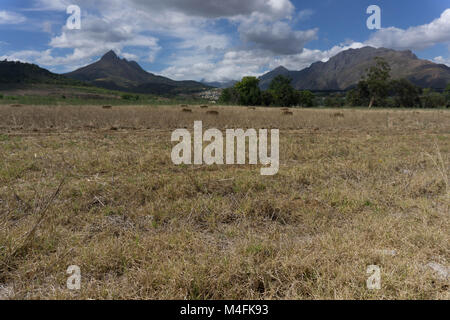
(112, 72)
(17, 73)
(339, 73)
(220, 85)
(344, 70)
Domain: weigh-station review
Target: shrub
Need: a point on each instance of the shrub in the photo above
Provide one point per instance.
(229, 96)
(334, 102)
(431, 99)
(447, 95)
(266, 98)
(130, 97)
(284, 95)
(306, 98)
(407, 95)
(249, 92)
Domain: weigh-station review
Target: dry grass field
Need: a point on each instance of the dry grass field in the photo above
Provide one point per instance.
(96, 188)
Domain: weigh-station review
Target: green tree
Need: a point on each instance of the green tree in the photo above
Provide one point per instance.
(407, 95)
(131, 97)
(333, 101)
(377, 81)
(249, 92)
(447, 95)
(306, 98)
(352, 98)
(266, 98)
(229, 96)
(284, 95)
(432, 99)
(359, 96)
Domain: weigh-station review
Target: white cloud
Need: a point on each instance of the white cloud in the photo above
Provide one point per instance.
(277, 37)
(305, 14)
(198, 48)
(219, 8)
(135, 26)
(238, 63)
(442, 60)
(414, 38)
(8, 17)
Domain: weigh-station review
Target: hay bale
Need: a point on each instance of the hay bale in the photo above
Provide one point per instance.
(186, 110)
(212, 112)
(338, 115)
(107, 107)
(204, 107)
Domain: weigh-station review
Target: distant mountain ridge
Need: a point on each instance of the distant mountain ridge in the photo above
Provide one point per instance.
(112, 72)
(344, 70)
(220, 85)
(19, 73)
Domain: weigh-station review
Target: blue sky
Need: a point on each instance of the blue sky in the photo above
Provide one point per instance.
(217, 40)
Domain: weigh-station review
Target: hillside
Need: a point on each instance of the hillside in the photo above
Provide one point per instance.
(344, 70)
(112, 72)
(220, 85)
(18, 73)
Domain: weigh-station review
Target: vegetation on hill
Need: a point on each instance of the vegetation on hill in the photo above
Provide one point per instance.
(14, 73)
(344, 71)
(114, 73)
(376, 88)
(51, 94)
(280, 94)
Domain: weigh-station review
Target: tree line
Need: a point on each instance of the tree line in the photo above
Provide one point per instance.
(281, 93)
(375, 89)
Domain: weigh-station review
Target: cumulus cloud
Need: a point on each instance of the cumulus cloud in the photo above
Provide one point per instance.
(414, 38)
(121, 25)
(263, 36)
(221, 9)
(238, 63)
(305, 14)
(277, 37)
(8, 17)
(442, 60)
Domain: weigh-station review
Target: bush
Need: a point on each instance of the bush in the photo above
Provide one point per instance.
(284, 95)
(359, 96)
(266, 98)
(306, 98)
(229, 96)
(431, 99)
(352, 98)
(249, 92)
(407, 95)
(130, 97)
(447, 95)
(334, 102)
(1, 96)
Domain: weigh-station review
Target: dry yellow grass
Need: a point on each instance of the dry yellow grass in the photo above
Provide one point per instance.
(361, 188)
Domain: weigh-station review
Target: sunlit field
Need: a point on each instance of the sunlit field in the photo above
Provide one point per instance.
(96, 187)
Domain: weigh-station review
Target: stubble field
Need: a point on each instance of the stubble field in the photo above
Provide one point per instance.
(97, 188)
